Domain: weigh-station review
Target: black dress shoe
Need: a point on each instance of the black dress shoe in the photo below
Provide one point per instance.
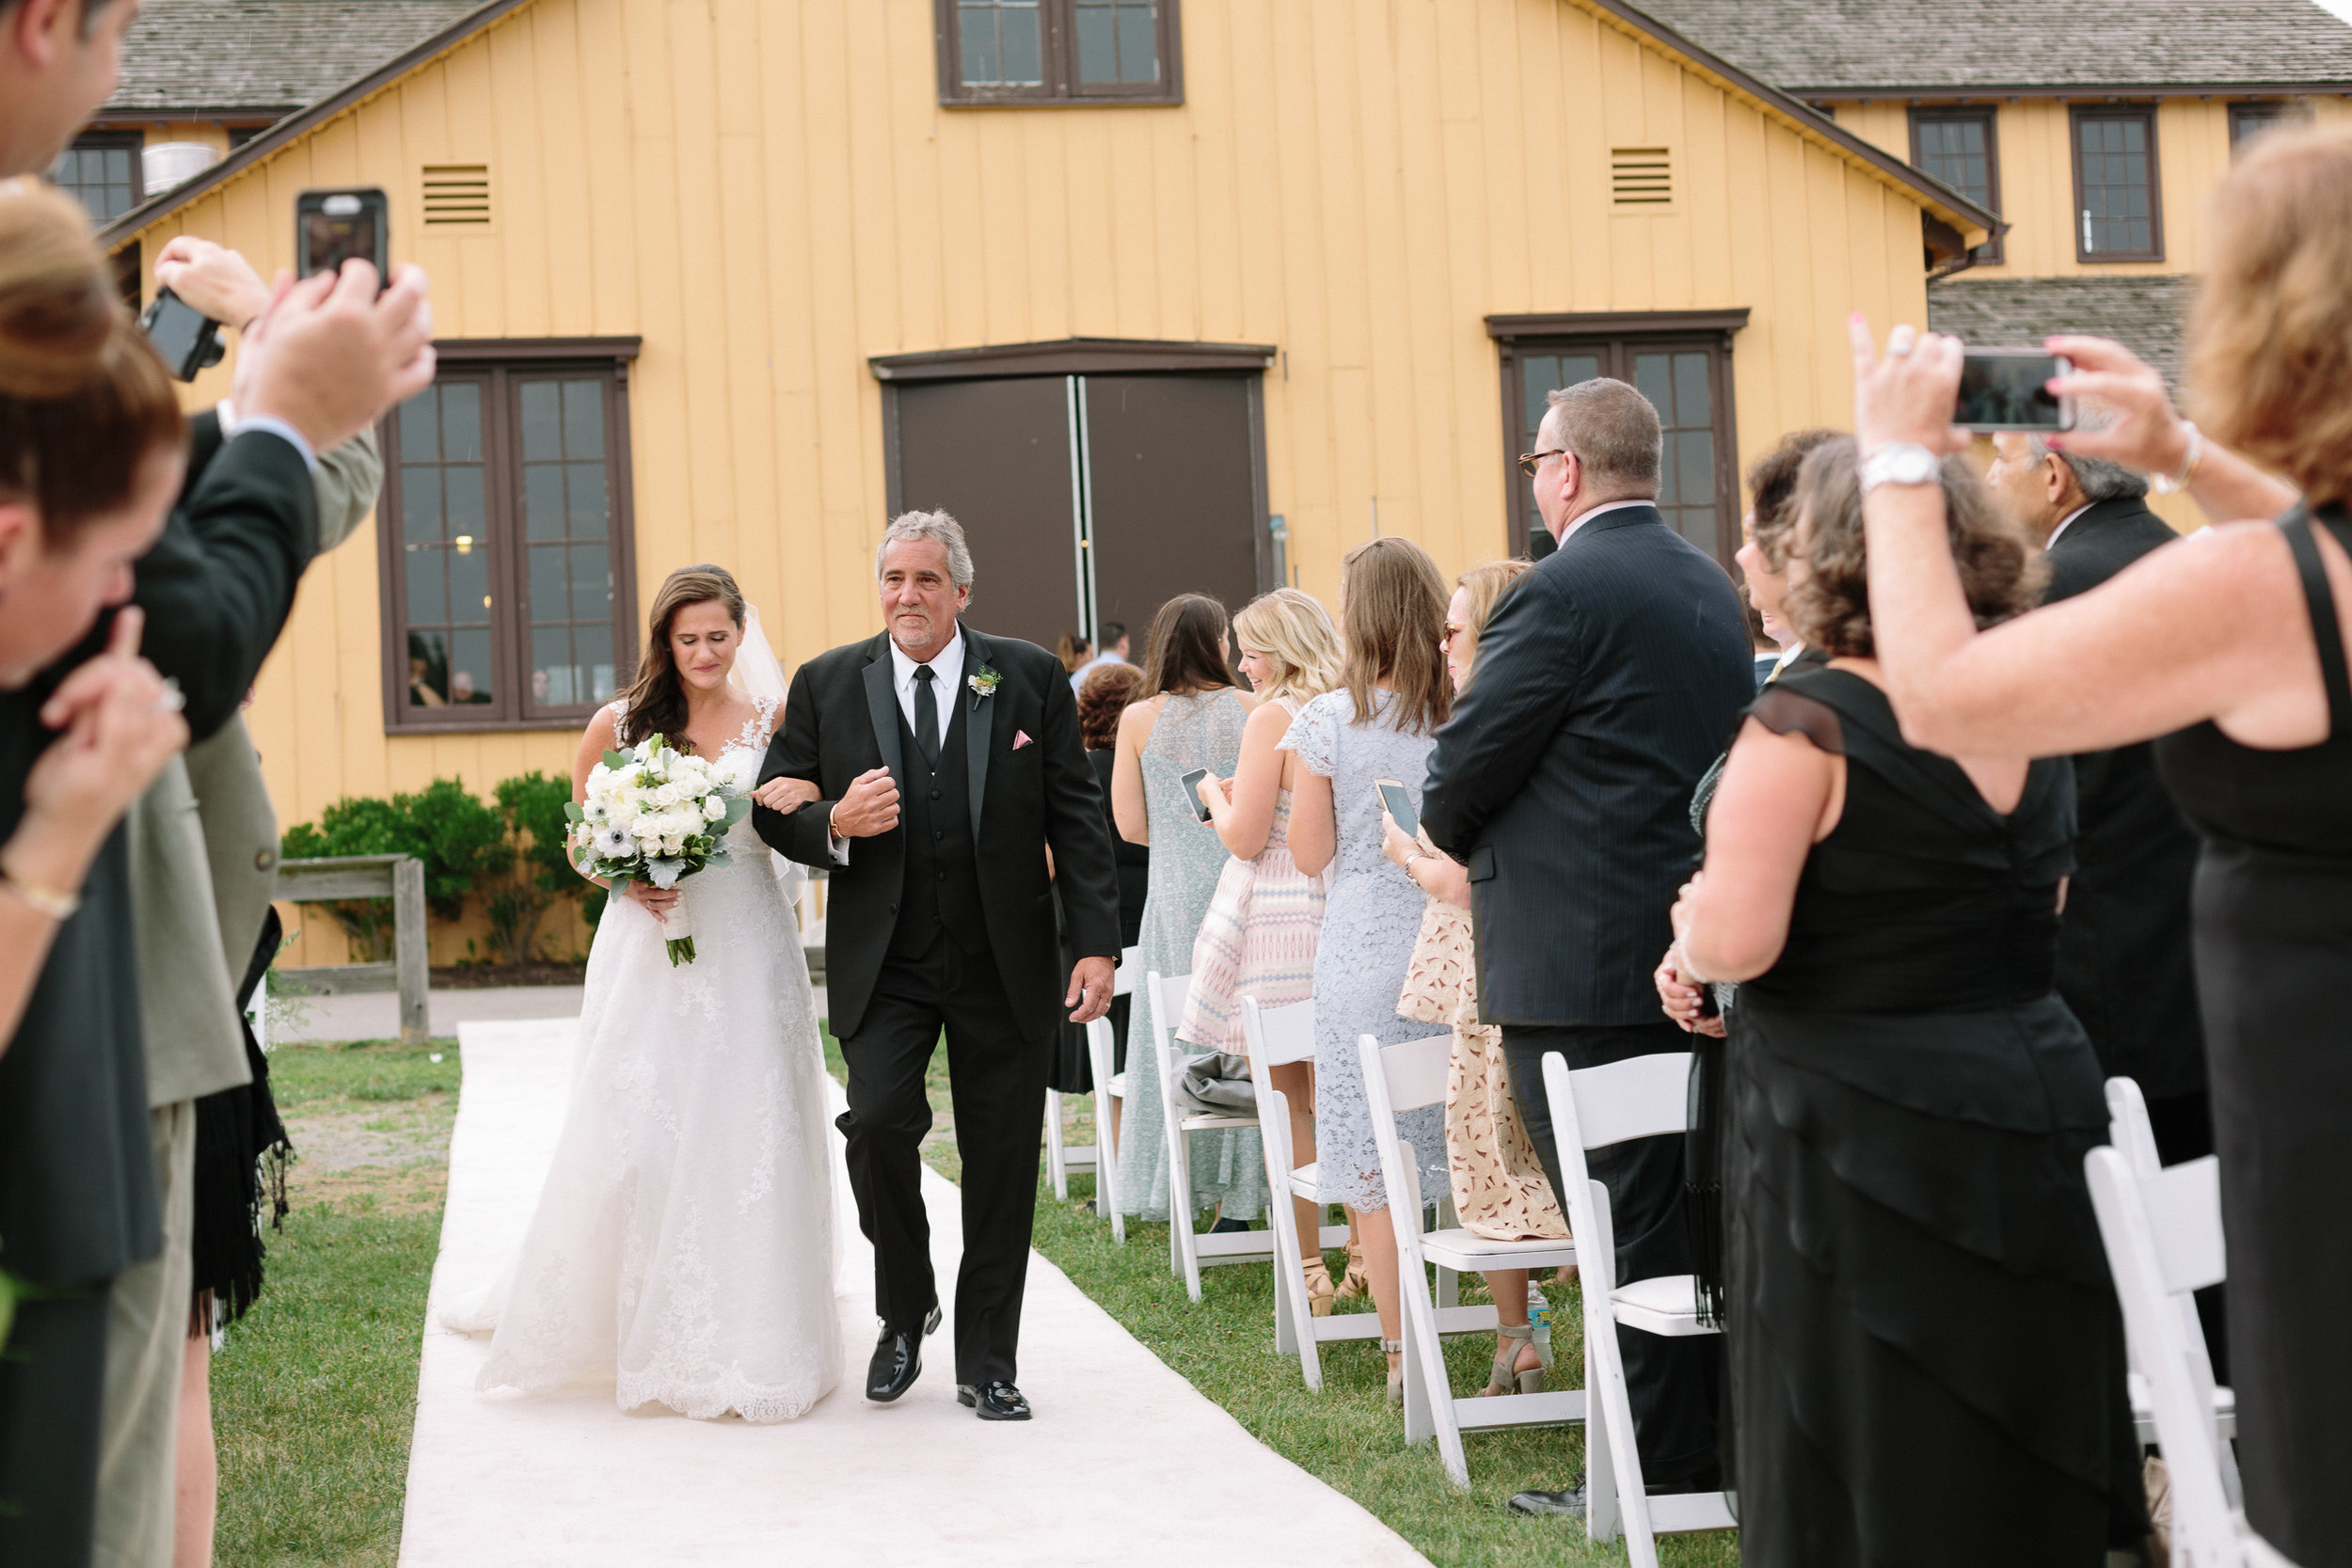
(897, 1360)
(1547, 1504)
(994, 1402)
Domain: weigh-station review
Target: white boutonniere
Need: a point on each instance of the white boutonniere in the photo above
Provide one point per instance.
(984, 682)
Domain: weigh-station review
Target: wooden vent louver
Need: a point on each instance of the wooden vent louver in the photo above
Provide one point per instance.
(1641, 177)
(457, 196)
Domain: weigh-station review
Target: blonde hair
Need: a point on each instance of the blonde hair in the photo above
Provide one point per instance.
(2270, 338)
(1485, 585)
(1293, 630)
(1392, 600)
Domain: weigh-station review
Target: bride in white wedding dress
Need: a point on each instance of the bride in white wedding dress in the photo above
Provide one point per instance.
(682, 1249)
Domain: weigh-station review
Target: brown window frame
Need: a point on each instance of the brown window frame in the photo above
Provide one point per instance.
(1991, 253)
(1614, 336)
(2077, 115)
(132, 142)
(2291, 111)
(1059, 44)
(498, 365)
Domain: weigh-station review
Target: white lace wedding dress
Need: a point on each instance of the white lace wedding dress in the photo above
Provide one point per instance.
(682, 1249)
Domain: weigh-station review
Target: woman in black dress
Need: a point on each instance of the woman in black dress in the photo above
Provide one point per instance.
(1926, 1358)
(2230, 645)
(1101, 700)
(90, 440)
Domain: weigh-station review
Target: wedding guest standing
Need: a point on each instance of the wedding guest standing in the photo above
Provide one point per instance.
(1377, 725)
(91, 460)
(1186, 715)
(1500, 1189)
(1607, 681)
(2231, 645)
(1921, 1316)
(1101, 700)
(1258, 938)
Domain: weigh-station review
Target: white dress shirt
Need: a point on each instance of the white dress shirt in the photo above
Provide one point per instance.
(2064, 521)
(947, 673)
(1612, 506)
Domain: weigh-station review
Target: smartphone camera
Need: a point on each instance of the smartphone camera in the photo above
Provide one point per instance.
(333, 226)
(2007, 388)
(186, 339)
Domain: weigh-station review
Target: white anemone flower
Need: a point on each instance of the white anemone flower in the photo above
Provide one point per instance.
(615, 843)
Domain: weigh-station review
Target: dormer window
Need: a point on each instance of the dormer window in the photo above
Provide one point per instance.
(1058, 51)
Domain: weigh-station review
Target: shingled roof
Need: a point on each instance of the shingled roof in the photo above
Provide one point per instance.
(2145, 313)
(266, 57)
(1839, 47)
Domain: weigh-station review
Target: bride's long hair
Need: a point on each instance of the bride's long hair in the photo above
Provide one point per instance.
(656, 698)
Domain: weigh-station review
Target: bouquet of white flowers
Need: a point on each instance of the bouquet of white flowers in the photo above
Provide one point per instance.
(655, 813)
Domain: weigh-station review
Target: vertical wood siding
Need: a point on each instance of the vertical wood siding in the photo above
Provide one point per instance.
(769, 193)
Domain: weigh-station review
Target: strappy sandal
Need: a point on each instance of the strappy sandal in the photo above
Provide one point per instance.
(1504, 1377)
(1397, 1377)
(1355, 1282)
(1320, 1292)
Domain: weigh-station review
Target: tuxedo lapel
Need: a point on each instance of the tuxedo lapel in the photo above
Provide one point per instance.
(882, 705)
(978, 713)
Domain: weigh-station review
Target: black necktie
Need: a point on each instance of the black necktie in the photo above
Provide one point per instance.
(927, 714)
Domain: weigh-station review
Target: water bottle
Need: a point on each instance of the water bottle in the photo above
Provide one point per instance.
(1539, 1315)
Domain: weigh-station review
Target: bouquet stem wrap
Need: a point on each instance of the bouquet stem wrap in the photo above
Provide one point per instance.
(678, 929)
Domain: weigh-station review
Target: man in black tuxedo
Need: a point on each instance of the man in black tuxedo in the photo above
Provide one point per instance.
(1608, 679)
(956, 800)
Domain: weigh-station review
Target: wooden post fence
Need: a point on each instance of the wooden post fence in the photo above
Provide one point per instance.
(398, 877)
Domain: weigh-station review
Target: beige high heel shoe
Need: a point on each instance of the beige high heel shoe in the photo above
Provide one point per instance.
(1355, 1282)
(1396, 1375)
(1504, 1377)
(1320, 1292)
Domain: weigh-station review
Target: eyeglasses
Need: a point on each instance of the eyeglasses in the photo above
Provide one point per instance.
(1453, 630)
(1530, 461)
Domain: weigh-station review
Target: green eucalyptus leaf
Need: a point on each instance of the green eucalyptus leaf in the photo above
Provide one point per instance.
(617, 760)
(572, 812)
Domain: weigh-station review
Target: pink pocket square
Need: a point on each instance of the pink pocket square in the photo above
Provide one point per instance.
(1021, 738)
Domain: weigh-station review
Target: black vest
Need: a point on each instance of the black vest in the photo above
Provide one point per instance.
(943, 878)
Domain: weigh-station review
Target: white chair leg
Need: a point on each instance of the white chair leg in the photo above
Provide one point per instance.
(1604, 1380)
(1100, 1046)
(1183, 1258)
(1057, 1162)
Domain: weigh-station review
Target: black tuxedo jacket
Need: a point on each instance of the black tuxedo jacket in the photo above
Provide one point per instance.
(842, 719)
(1607, 680)
(2123, 944)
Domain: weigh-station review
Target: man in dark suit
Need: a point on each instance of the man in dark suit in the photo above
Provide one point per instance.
(1607, 680)
(957, 799)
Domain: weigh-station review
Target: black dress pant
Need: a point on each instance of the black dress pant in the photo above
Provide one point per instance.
(53, 1381)
(997, 1079)
(1674, 1384)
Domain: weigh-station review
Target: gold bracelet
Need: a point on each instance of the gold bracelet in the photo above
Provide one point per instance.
(55, 903)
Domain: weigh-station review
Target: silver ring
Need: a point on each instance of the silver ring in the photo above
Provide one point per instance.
(171, 699)
(1899, 349)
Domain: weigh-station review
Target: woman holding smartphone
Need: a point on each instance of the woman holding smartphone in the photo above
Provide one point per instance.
(1186, 716)
(1380, 725)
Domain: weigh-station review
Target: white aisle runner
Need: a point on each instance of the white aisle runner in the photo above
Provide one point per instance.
(1124, 1465)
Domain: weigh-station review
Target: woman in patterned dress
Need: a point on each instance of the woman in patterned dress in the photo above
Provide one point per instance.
(1259, 937)
(1380, 725)
(1500, 1189)
(1187, 715)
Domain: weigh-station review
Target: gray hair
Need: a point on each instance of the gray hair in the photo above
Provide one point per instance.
(941, 530)
(2101, 479)
(1615, 433)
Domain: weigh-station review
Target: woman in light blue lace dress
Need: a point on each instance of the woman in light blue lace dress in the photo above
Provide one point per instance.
(1187, 715)
(1380, 725)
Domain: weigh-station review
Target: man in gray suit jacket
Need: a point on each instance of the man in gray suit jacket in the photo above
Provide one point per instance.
(1608, 679)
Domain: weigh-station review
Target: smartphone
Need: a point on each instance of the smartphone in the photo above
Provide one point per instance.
(186, 339)
(1192, 792)
(1399, 805)
(332, 227)
(2006, 389)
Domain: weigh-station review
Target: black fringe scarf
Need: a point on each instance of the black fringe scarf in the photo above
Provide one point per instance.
(241, 1152)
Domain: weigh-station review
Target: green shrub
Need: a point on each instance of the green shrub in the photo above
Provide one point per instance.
(539, 876)
(460, 838)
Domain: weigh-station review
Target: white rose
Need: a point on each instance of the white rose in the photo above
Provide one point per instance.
(714, 807)
(673, 847)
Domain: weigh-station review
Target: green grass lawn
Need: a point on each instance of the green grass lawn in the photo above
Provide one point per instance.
(314, 1396)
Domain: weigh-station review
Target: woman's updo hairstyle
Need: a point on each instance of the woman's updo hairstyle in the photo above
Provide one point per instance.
(657, 699)
(1829, 604)
(84, 401)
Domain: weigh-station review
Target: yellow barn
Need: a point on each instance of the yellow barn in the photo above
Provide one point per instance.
(1154, 294)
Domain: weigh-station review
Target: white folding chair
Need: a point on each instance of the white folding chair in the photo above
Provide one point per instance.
(1191, 1251)
(1062, 1163)
(1642, 1096)
(1406, 1077)
(1277, 1036)
(2161, 1226)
